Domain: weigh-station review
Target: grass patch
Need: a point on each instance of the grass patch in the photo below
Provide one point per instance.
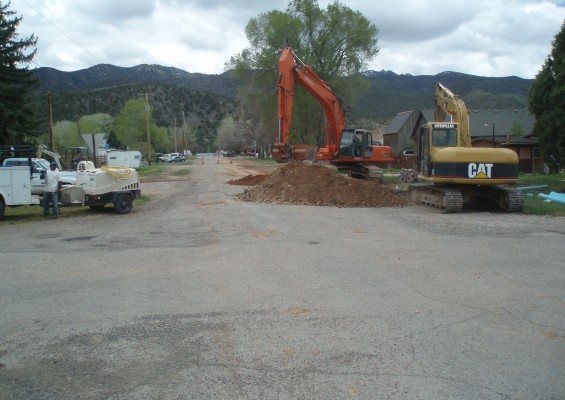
(555, 182)
(391, 170)
(163, 169)
(536, 205)
(153, 169)
(23, 214)
(181, 172)
(259, 160)
(390, 179)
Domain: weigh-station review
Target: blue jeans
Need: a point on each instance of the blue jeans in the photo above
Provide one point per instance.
(49, 197)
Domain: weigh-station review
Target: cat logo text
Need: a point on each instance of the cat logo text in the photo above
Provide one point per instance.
(480, 171)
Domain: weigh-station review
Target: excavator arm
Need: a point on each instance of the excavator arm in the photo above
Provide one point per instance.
(293, 71)
(450, 104)
(46, 150)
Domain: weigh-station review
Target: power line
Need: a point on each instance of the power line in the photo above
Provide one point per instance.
(67, 34)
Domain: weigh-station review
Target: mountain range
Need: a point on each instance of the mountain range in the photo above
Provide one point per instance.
(106, 88)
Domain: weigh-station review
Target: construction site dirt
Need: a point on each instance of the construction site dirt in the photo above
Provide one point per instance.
(302, 183)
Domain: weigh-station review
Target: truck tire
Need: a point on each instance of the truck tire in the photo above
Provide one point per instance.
(2, 208)
(123, 204)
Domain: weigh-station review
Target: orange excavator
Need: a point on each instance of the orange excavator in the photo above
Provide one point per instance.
(351, 150)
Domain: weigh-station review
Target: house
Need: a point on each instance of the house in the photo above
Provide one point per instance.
(397, 135)
(530, 160)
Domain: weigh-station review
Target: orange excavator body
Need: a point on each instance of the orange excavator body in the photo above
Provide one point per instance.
(355, 147)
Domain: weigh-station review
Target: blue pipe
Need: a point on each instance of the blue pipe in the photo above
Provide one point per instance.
(532, 187)
(553, 196)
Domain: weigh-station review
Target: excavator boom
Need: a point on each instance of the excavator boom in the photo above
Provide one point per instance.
(293, 71)
(450, 104)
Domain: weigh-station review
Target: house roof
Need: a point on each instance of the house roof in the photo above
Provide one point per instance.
(514, 140)
(398, 122)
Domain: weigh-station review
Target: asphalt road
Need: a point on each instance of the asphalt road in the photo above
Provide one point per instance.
(196, 295)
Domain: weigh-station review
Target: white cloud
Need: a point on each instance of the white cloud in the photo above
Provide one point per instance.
(483, 37)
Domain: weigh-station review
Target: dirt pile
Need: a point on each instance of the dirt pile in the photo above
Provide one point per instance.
(304, 184)
(249, 180)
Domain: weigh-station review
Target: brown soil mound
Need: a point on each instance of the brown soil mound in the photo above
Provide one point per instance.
(249, 180)
(300, 183)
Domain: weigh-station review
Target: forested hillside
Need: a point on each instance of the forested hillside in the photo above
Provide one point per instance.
(390, 93)
(105, 88)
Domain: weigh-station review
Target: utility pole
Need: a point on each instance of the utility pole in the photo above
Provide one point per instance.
(175, 133)
(51, 139)
(147, 123)
(183, 133)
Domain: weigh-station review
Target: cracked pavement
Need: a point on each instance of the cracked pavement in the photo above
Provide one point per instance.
(197, 295)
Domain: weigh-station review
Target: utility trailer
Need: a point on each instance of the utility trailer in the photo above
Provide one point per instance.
(95, 187)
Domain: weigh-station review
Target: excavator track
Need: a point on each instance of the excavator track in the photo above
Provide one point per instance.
(359, 171)
(449, 200)
(509, 199)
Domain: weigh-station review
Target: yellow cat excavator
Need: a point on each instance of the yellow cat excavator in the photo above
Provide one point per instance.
(452, 172)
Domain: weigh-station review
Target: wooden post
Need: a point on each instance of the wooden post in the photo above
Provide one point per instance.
(51, 138)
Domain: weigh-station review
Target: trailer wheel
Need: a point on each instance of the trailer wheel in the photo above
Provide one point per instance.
(2, 208)
(123, 204)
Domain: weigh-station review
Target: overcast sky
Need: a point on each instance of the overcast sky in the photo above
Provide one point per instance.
(418, 37)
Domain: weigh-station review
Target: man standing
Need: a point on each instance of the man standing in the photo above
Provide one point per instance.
(53, 183)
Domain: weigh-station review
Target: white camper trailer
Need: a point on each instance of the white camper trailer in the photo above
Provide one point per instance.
(123, 158)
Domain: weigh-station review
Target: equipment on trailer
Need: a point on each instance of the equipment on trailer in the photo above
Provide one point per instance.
(96, 187)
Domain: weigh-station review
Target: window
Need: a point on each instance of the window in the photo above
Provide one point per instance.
(444, 137)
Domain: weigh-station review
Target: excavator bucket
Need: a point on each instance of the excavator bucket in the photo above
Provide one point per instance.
(281, 154)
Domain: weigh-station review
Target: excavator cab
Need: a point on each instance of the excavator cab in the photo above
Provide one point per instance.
(356, 143)
(445, 136)
(433, 138)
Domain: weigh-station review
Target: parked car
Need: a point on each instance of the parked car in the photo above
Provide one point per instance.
(164, 158)
(229, 153)
(171, 156)
(177, 159)
(157, 157)
(251, 153)
(39, 166)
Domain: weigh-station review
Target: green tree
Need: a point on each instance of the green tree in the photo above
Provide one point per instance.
(113, 141)
(16, 82)
(337, 43)
(96, 123)
(66, 134)
(547, 104)
(131, 129)
(517, 129)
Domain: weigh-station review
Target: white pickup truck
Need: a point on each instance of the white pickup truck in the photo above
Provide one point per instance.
(38, 166)
(15, 188)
